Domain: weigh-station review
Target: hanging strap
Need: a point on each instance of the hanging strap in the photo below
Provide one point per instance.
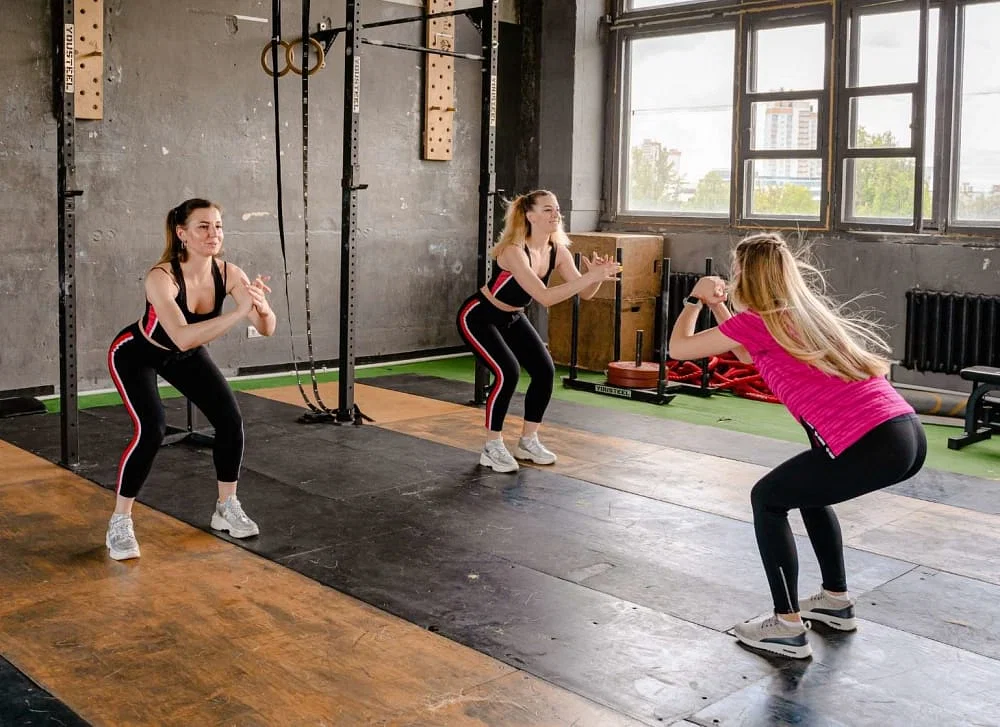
(276, 42)
(305, 200)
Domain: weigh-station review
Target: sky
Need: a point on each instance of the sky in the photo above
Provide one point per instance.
(692, 109)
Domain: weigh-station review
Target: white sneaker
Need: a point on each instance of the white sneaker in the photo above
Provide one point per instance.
(531, 449)
(496, 457)
(120, 539)
(229, 516)
(777, 636)
(837, 613)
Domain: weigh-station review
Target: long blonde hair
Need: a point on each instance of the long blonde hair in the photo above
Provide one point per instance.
(517, 228)
(178, 216)
(788, 293)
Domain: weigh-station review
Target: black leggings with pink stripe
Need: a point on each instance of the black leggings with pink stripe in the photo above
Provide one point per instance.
(134, 363)
(505, 342)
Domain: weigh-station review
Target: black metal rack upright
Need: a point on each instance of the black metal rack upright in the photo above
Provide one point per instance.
(64, 63)
(349, 208)
(487, 157)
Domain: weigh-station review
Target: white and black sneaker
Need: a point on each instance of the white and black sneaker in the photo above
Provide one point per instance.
(229, 517)
(120, 538)
(496, 457)
(835, 612)
(777, 636)
(531, 449)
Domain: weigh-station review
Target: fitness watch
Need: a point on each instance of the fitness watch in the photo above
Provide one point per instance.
(692, 300)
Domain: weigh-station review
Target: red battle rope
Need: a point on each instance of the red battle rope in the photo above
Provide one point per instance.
(725, 372)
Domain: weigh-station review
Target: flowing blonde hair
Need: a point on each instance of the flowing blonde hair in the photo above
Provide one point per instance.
(179, 216)
(789, 294)
(517, 228)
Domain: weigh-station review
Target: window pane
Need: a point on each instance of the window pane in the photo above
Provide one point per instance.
(774, 49)
(881, 190)
(881, 121)
(978, 193)
(680, 125)
(784, 187)
(784, 124)
(888, 48)
(643, 4)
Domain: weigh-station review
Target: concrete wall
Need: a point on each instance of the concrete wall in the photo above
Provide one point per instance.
(572, 107)
(188, 112)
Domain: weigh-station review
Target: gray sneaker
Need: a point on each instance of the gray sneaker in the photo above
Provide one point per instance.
(229, 516)
(837, 613)
(496, 457)
(531, 449)
(120, 539)
(776, 636)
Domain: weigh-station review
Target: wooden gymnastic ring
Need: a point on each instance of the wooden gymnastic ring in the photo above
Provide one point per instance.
(290, 56)
(263, 59)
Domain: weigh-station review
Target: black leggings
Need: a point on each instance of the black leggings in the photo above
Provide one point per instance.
(134, 363)
(891, 452)
(504, 342)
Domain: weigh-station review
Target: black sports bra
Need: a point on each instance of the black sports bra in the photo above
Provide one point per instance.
(151, 322)
(505, 288)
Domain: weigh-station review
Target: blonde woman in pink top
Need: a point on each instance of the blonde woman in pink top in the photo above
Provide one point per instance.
(829, 370)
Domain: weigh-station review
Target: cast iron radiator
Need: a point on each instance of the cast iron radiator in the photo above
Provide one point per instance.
(945, 332)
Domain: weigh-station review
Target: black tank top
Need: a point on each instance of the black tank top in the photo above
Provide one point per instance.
(151, 321)
(507, 290)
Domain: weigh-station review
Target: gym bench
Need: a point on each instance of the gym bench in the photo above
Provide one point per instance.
(980, 413)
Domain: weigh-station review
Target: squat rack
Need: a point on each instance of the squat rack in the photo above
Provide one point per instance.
(488, 25)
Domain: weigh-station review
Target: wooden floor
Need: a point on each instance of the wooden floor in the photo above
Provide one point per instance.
(208, 634)
(201, 631)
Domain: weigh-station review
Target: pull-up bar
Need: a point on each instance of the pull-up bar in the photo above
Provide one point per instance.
(327, 36)
(421, 49)
(401, 21)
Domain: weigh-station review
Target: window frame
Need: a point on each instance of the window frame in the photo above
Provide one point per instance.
(744, 154)
(617, 141)
(847, 65)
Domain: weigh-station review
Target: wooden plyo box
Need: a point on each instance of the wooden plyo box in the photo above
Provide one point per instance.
(596, 346)
(641, 279)
(642, 260)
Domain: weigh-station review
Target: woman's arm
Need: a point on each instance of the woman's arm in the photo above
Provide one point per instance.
(721, 313)
(566, 267)
(261, 315)
(161, 291)
(516, 262)
(685, 344)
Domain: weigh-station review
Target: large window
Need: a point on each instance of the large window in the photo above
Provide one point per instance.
(822, 114)
(680, 125)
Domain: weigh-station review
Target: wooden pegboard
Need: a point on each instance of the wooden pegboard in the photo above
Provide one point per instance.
(439, 87)
(88, 21)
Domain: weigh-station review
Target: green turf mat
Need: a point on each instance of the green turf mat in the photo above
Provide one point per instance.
(721, 410)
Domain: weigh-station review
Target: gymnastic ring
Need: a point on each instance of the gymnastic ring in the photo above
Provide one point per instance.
(264, 54)
(290, 56)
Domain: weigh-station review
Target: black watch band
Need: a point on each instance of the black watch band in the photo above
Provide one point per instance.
(692, 300)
